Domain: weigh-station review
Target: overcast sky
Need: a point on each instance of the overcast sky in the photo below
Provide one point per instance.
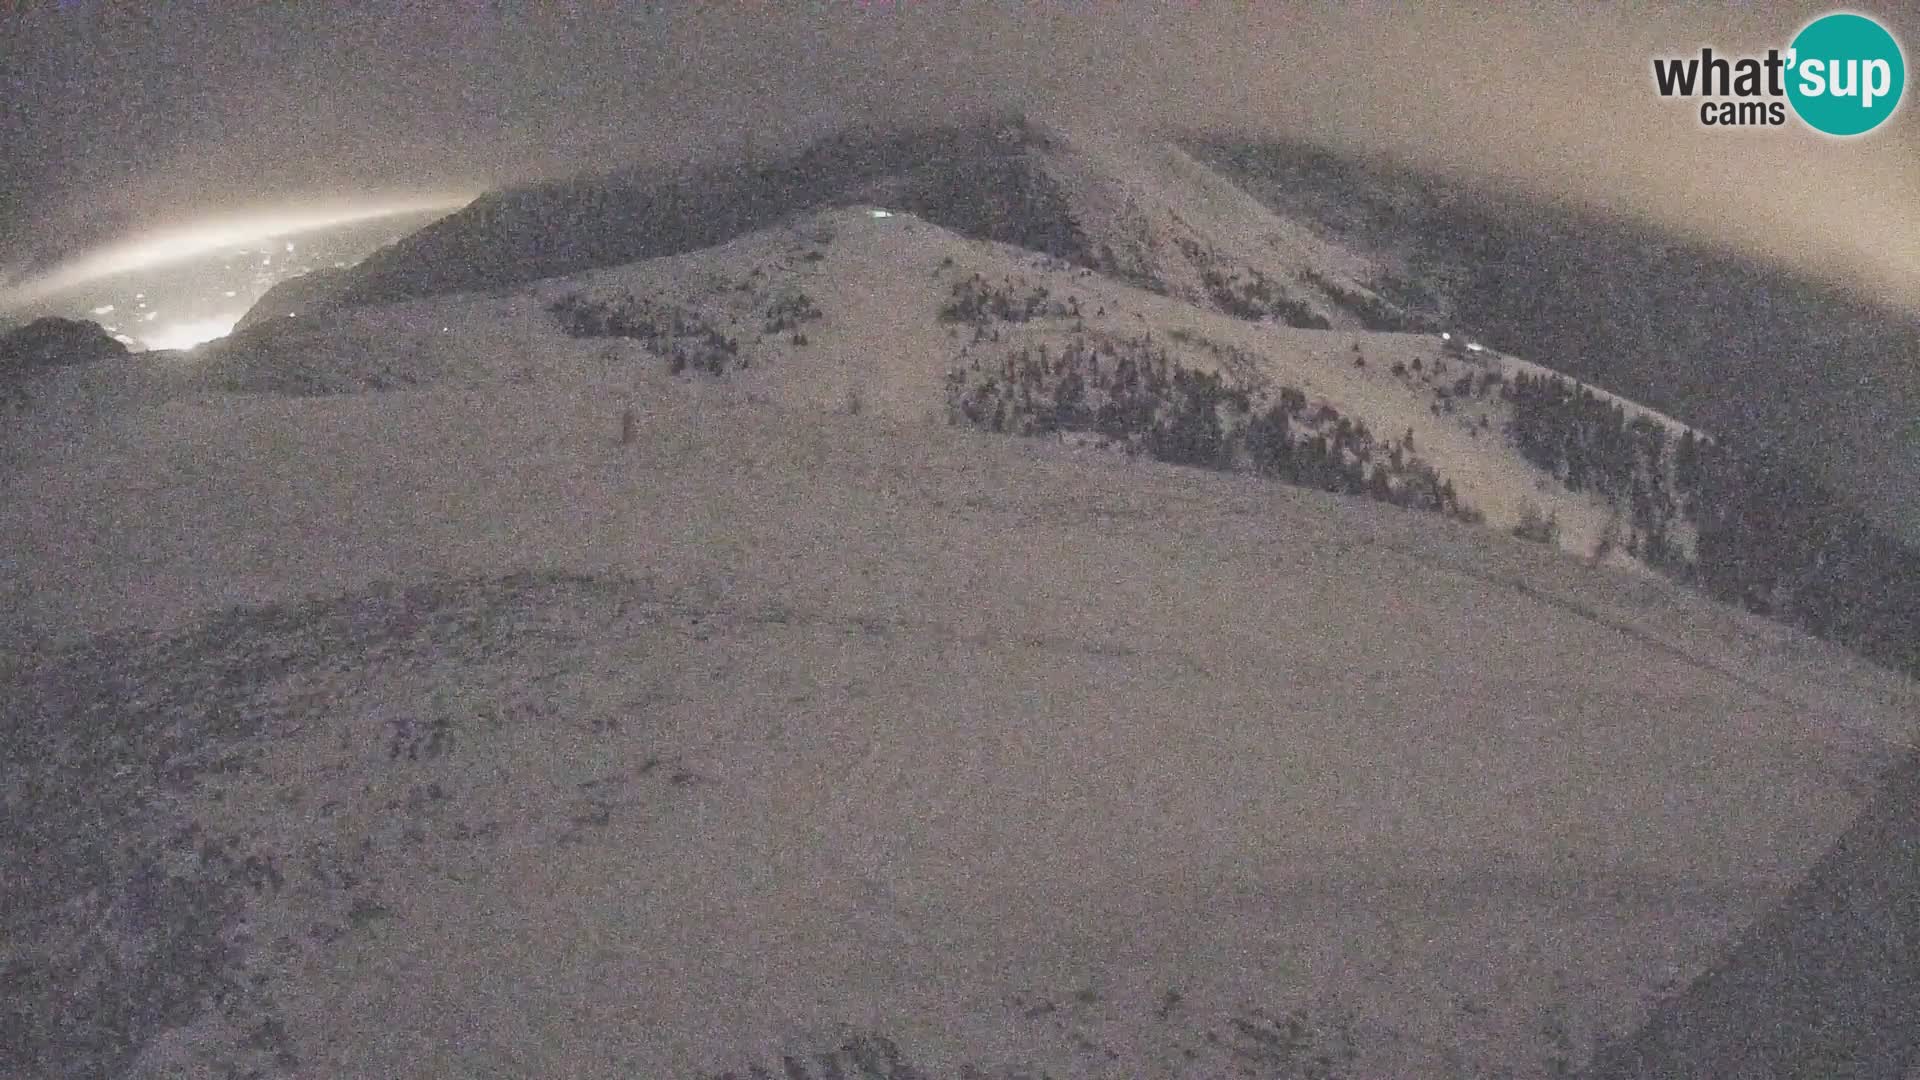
(119, 116)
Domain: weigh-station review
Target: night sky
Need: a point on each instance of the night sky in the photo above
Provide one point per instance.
(121, 117)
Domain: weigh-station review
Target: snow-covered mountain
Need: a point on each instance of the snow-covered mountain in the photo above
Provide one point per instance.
(469, 722)
(958, 606)
(1280, 234)
(874, 289)
(1750, 351)
(1139, 209)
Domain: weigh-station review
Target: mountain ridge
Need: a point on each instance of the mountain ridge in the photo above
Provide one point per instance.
(697, 623)
(1002, 177)
(1753, 352)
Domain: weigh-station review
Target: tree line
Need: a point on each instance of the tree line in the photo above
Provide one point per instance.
(1130, 394)
(1769, 533)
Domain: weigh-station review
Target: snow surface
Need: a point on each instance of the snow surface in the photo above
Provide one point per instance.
(1021, 756)
(881, 284)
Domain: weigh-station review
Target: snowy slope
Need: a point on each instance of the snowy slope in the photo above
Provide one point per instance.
(802, 724)
(821, 736)
(1156, 215)
(1134, 207)
(879, 284)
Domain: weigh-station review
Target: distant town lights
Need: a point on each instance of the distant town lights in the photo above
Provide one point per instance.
(208, 236)
(186, 335)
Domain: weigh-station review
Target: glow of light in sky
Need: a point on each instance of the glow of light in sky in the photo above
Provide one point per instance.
(185, 335)
(199, 238)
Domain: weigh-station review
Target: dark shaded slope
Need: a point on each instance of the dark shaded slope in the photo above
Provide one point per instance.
(1827, 985)
(296, 294)
(56, 342)
(48, 343)
(979, 179)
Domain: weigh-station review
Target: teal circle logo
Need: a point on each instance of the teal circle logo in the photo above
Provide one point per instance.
(1845, 74)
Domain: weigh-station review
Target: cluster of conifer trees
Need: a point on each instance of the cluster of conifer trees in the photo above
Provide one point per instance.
(1259, 297)
(1770, 534)
(1374, 311)
(979, 303)
(789, 312)
(683, 337)
(1131, 394)
(1775, 538)
(1588, 443)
